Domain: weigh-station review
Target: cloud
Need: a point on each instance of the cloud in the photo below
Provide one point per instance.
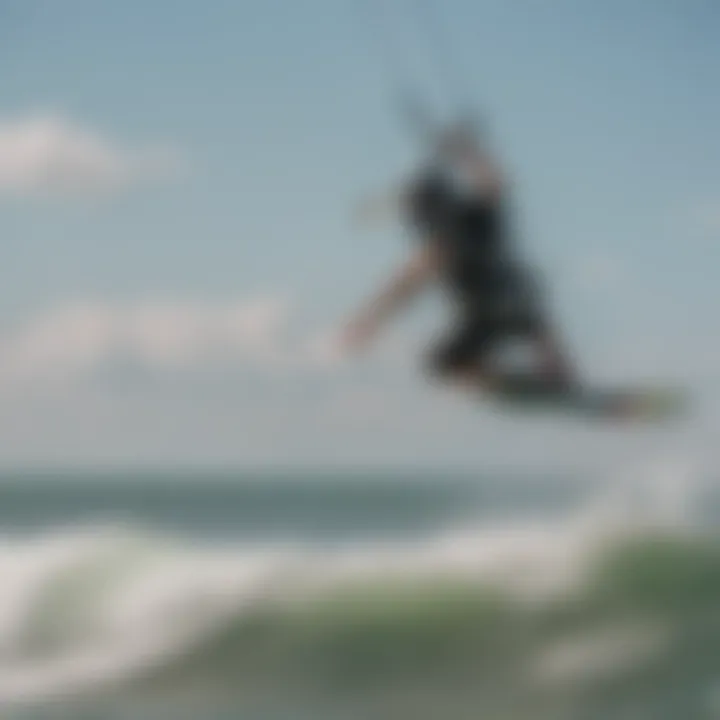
(87, 338)
(48, 156)
(82, 337)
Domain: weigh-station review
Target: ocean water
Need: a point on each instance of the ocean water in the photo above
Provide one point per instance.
(334, 597)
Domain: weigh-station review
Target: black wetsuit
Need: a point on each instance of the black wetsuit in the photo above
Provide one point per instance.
(495, 297)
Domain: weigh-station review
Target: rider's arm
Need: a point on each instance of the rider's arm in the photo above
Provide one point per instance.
(403, 287)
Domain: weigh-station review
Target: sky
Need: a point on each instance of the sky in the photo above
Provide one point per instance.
(177, 189)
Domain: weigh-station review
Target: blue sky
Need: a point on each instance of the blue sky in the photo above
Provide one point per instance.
(177, 182)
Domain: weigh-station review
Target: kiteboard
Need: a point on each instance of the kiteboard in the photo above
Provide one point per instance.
(639, 403)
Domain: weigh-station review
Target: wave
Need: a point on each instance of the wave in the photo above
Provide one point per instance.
(554, 611)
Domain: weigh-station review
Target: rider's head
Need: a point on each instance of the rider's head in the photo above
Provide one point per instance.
(458, 143)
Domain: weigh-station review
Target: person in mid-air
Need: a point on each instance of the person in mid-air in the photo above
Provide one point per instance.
(456, 209)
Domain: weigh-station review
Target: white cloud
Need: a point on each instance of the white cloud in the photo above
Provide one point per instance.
(48, 155)
(82, 337)
(77, 339)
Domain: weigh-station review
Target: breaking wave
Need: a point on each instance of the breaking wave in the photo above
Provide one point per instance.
(618, 606)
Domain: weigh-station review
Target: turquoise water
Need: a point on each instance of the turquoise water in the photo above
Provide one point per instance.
(358, 597)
